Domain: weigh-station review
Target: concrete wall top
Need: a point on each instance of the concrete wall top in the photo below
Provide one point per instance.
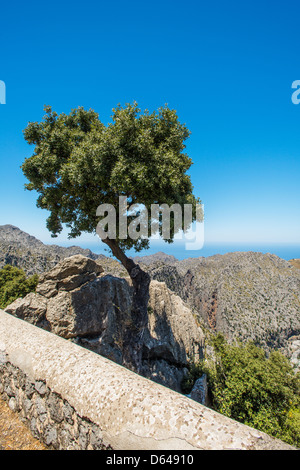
(133, 413)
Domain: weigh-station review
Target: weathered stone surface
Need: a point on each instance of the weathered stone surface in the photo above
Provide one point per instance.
(199, 392)
(172, 339)
(292, 351)
(12, 404)
(244, 295)
(110, 406)
(173, 332)
(40, 387)
(31, 308)
(70, 267)
(67, 275)
(47, 289)
(74, 302)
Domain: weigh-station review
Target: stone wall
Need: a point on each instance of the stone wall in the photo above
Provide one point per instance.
(49, 416)
(72, 398)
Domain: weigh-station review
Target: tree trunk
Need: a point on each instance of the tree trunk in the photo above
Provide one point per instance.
(135, 325)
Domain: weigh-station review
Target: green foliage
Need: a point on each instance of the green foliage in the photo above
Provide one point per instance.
(13, 284)
(79, 163)
(260, 391)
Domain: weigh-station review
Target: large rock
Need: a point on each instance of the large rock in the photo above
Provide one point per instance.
(244, 295)
(173, 333)
(69, 274)
(32, 308)
(199, 391)
(172, 339)
(77, 301)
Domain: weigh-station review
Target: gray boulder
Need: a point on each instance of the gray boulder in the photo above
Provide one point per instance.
(77, 301)
(199, 391)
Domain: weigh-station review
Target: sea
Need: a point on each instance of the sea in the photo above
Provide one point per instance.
(282, 250)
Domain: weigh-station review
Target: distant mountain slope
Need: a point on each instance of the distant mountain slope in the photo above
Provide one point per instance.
(245, 295)
(10, 233)
(156, 257)
(20, 249)
(295, 262)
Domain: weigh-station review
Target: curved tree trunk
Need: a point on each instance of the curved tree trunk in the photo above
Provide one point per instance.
(135, 325)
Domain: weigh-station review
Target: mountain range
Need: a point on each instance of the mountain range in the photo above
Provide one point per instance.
(244, 295)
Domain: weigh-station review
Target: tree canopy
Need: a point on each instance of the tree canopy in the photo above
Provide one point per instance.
(79, 163)
(247, 386)
(14, 284)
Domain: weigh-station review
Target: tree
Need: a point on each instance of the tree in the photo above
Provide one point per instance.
(248, 386)
(14, 284)
(79, 163)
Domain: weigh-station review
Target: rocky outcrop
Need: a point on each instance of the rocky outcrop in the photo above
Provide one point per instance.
(160, 257)
(292, 351)
(246, 296)
(172, 339)
(24, 251)
(77, 301)
(68, 275)
(295, 262)
(199, 391)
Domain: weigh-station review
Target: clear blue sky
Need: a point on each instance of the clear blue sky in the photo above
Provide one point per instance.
(226, 67)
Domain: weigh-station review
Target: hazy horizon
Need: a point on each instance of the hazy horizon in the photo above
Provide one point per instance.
(177, 249)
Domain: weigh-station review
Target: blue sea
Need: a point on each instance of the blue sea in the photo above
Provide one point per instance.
(284, 250)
